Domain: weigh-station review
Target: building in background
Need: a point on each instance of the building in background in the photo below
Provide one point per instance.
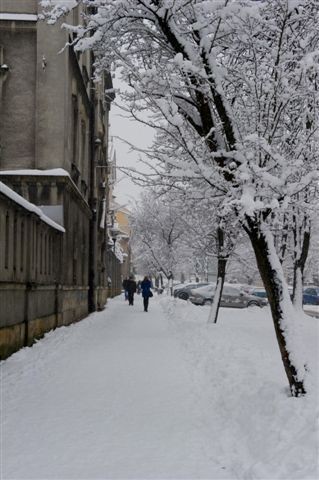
(118, 231)
(54, 129)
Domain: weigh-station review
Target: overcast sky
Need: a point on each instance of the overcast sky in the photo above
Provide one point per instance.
(135, 133)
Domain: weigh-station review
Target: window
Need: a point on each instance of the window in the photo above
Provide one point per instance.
(231, 291)
(310, 291)
(7, 241)
(15, 232)
(22, 246)
(34, 243)
(83, 146)
(75, 119)
(53, 270)
(83, 256)
(2, 76)
(45, 253)
(75, 255)
(49, 254)
(41, 252)
(36, 246)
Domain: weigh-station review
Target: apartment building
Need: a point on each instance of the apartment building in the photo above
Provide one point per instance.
(54, 129)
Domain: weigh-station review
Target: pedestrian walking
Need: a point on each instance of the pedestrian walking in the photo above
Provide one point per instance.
(124, 285)
(146, 286)
(131, 289)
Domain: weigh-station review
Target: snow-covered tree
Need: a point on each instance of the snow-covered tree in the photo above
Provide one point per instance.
(158, 235)
(312, 265)
(242, 267)
(242, 78)
(180, 231)
(211, 234)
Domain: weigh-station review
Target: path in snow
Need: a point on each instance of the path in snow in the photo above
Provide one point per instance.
(107, 398)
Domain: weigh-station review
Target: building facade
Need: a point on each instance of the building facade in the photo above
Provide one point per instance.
(54, 121)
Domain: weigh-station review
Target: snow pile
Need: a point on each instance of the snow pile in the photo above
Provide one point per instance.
(126, 394)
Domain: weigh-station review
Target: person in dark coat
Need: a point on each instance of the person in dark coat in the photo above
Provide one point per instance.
(146, 286)
(131, 289)
(124, 285)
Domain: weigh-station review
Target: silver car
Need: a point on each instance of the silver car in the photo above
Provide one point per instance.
(231, 297)
(183, 291)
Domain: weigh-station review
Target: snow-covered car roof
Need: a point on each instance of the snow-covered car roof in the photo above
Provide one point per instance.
(205, 288)
(183, 285)
(311, 287)
(227, 286)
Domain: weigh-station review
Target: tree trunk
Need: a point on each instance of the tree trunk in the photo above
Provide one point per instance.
(284, 239)
(283, 313)
(297, 286)
(300, 258)
(221, 272)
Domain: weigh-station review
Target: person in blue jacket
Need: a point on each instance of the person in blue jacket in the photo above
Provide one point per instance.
(146, 286)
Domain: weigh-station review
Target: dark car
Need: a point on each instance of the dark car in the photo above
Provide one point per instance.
(311, 296)
(259, 292)
(183, 291)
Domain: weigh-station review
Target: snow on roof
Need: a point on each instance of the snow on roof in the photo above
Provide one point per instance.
(8, 192)
(62, 3)
(55, 172)
(22, 17)
(118, 252)
(124, 209)
(116, 206)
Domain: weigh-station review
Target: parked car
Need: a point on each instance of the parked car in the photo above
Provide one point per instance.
(178, 286)
(259, 292)
(243, 287)
(182, 291)
(231, 297)
(311, 296)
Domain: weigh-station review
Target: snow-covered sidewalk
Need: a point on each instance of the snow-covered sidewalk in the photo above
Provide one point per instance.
(160, 395)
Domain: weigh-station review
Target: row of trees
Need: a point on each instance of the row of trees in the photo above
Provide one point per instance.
(179, 231)
(232, 87)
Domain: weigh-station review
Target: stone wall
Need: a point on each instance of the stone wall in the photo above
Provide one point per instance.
(30, 260)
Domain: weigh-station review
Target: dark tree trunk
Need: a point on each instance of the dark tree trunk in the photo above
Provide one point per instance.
(271, 274)
(284, 239)
(221, 272)
(300, 258)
